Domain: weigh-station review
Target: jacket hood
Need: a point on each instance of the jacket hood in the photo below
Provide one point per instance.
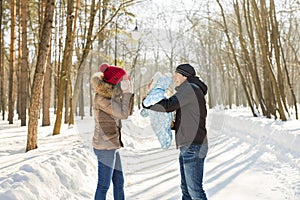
(101, 87)
(196, 80)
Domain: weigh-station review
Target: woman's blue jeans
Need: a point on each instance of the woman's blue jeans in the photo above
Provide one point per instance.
(191, 161)
(109, 169)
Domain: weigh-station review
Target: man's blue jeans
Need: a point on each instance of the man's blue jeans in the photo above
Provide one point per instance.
(109, 169)
(191, 161)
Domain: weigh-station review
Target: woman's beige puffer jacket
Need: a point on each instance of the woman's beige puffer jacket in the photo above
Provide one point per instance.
(110, 106)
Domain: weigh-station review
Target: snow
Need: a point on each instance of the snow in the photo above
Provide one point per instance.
(249, 158)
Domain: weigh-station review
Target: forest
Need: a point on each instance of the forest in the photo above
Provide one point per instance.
(247, 52)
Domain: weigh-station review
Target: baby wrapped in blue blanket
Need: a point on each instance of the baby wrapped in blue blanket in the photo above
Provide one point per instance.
(160, 121)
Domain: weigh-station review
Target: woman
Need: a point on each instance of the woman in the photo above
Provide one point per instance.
(112, 102)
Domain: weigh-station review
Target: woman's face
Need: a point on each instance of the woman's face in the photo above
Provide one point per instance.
(179, 78)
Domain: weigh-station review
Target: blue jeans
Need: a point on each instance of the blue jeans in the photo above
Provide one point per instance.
(109, 169)
(191, 161)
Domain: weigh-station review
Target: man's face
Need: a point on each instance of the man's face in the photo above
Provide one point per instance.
(179, 79)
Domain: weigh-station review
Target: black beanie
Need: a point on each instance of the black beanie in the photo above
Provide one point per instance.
(185, 70)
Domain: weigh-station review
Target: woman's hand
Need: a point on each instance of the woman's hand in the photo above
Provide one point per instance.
(126, 85)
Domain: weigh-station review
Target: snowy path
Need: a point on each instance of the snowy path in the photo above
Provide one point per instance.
(257, 160)
(237, 169)
(239, 165)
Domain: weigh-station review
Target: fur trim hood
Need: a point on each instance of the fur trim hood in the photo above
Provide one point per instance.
(103, 88)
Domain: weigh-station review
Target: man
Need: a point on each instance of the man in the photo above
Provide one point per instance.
(190, 128)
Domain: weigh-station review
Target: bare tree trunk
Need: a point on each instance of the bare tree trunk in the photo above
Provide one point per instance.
(57, 73)
(230, 93)
(41, 14)
(36, 90)
(209, 77)
(67, 100)
(47, 93)
(290, 85)
(11, 94)
(19, 60)
(71, 117)
(66, 65)
(24, 78)
(2, 70)
(90, 88)
(81, 102)
(237, 92)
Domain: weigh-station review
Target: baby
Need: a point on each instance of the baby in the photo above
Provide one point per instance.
(160, 121)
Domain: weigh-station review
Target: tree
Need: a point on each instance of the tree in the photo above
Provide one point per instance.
(43, 52)
(23, 77)
(47, 93)
(272, 85)
(11, 94)
(236, 62)
(66, 65)
(86, 50)
(2, 69)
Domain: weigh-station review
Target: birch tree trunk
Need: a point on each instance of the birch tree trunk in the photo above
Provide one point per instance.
(36, 90)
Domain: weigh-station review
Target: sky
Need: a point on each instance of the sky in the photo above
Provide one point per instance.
(248, 158)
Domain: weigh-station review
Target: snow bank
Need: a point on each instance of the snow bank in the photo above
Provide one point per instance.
(285, 135)
(61, 176)
(61, 168)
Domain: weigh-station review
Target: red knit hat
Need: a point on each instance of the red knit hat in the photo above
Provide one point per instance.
(112, 74)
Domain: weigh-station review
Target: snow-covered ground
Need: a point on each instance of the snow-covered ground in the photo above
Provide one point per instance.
(249, 158)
